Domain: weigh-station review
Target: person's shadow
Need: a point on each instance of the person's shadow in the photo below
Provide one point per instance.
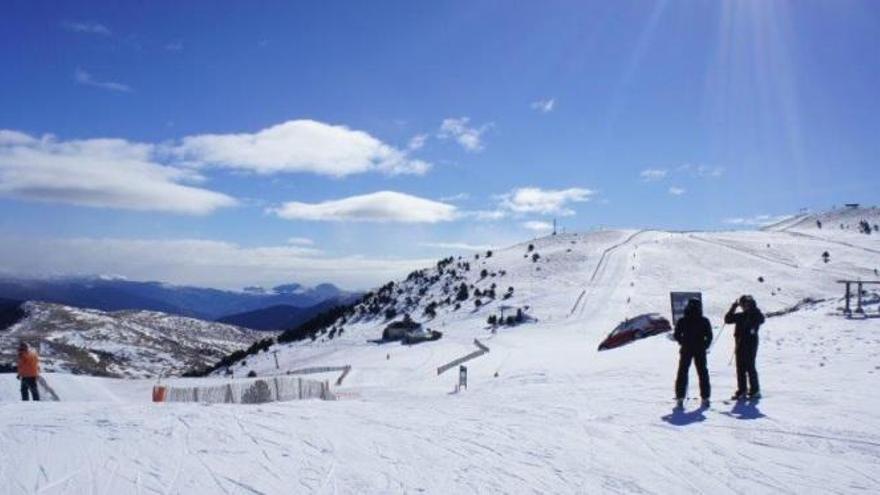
(746, 410)
(680, 417)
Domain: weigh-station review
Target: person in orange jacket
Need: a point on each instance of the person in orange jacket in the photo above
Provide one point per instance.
(28, 371)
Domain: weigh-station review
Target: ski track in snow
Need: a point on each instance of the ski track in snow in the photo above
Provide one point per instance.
(558, 418)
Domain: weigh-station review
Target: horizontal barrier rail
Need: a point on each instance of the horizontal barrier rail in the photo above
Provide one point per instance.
(481, 349)
(324, 369)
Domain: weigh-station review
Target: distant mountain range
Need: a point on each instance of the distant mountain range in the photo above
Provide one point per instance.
(113, 294)
(281, 317)
(10, 313)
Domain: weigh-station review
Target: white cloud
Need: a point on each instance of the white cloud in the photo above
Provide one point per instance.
(301, 241)
(120, 174)
(86, 27)
(456, 197)
(702, 171)
(707, 171)
(382, 206)
(457, 246)
(470, 138)
(197, 262)
(111, 173)
(417, 142)
(544, 106)
(299, 146)
(544, 201)
(757, 220)
(485, 214)
(538, 226)
(676, 191)
(652, 174)
(83, 77)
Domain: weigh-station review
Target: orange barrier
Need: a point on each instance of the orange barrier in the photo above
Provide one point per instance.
(158, 394)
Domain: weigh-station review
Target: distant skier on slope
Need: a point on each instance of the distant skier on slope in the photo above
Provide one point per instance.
(747, 321)
(28, 371)
(693, 332)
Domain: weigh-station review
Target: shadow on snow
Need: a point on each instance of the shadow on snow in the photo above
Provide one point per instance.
(680, 417)
(745, 410)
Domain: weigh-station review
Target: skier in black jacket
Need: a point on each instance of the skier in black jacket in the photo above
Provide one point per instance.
(747, 321)
(693, 332)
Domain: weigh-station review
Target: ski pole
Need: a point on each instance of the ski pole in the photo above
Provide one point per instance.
(717, 338)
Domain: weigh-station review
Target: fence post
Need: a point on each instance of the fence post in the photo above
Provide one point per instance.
(158, 393)
(859, 299)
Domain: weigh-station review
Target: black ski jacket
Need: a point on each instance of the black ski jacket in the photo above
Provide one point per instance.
(693, 332)
(747, 323)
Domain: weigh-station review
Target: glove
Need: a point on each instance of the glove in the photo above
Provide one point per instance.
(18, 377)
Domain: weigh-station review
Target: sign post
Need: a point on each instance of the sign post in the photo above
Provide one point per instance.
(462, 377)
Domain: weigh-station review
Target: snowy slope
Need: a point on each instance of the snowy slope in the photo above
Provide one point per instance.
(544, 412)
(121, 343)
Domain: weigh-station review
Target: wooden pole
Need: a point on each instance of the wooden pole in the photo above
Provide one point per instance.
(847, 311)
(859, 299)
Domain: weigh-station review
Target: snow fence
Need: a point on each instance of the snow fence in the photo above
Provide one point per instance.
(256, 391)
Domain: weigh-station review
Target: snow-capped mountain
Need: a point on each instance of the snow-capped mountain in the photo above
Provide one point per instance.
(121, 343)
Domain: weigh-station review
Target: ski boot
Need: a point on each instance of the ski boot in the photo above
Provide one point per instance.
(737, 396)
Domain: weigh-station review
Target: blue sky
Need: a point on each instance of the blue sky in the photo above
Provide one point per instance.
(230, 144)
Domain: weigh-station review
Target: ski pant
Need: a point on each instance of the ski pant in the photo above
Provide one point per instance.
(684, 366)
(746, 352)
(29, 384)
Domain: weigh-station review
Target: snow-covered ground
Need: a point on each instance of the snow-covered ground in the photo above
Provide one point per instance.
(544, 411)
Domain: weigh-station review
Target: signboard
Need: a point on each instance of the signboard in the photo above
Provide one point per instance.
(679, 301)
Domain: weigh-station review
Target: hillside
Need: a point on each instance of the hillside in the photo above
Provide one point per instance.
(122, 343)
(593, 281)
(835, 222)
(543, 410)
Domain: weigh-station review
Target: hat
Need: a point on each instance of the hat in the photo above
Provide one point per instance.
(22, 346)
